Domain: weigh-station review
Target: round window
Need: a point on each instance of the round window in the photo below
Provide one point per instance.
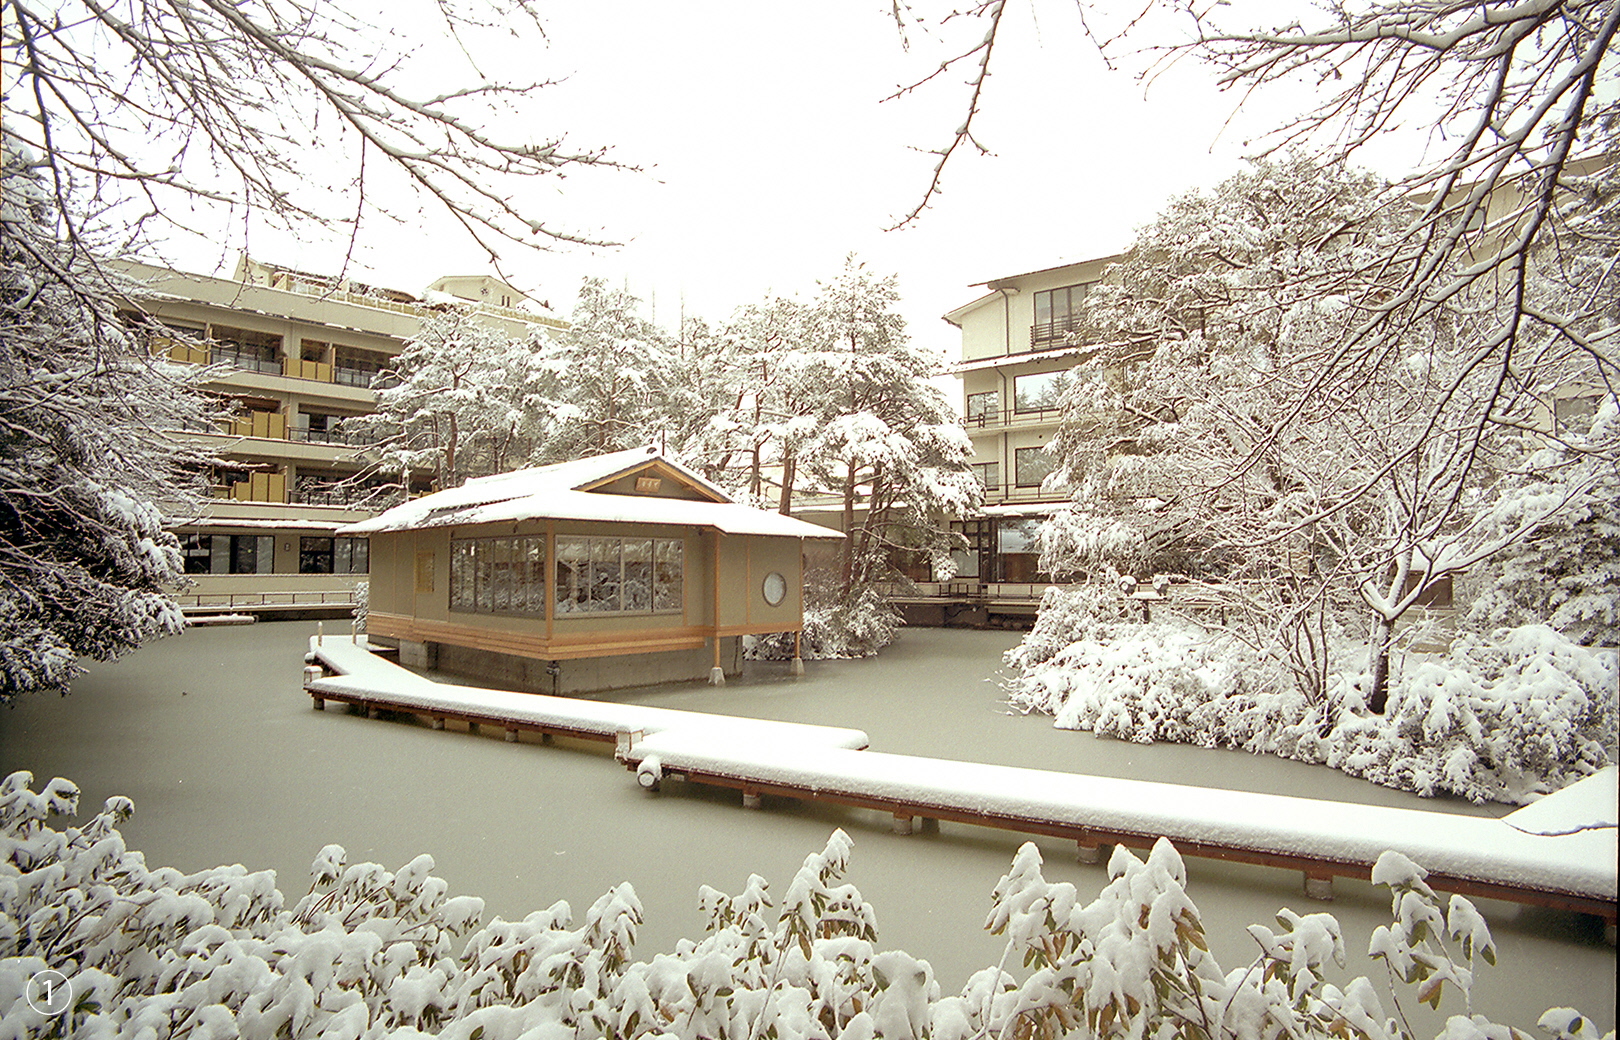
(775, 588)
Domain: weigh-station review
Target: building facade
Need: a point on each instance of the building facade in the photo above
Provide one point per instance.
(1018, 347)
(617, 570)
(296, 354)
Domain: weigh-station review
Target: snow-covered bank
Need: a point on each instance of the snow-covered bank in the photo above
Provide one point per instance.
(1503, 718)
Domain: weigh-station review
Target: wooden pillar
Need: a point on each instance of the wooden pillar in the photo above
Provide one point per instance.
(717, 674)
(751, 799)
(1087, 851)
(1319, 886)
(902, 822)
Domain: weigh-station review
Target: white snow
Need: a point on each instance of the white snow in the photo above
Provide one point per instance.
(825, 759)
(1475, 847)
(553, 492)
(369, 677)
(1584, 805)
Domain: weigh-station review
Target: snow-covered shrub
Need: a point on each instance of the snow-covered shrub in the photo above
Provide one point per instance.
(1503, 718)
(858, 627)
(372, 953)
(1158, 681)
(1066, 616)
(362, 604)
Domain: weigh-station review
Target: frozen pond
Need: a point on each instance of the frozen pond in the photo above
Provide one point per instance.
(212, 737)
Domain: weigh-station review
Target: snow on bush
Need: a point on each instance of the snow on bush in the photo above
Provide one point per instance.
(373, 953)
(1504, 718)
(857, 628)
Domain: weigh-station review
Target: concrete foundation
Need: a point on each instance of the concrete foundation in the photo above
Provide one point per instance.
(585, 675)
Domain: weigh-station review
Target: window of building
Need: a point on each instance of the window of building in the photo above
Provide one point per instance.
(499, 575)
(1040, 391)
(245, 348)
(1057, 312)
(973, 561)
(983, 408)
(197, 550)
(989, 474)
(618, 575)
(353, 367)
(1031, 466)
(1573, 415)
(319, 555)
(228, 553)
(1018, 549)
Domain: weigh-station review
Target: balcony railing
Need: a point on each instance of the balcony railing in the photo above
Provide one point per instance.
(341, 437)
(1053, 333)
(248, 364)
(1021, 415)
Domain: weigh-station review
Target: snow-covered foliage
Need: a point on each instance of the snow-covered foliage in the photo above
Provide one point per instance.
(1501, 718)
(835, 628)
(375, 953)
(88, 456)
(1215, 427)
(611, 376)
(461, 400)
(1566, 571)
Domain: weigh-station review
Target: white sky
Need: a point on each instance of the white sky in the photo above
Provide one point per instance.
(769, 156)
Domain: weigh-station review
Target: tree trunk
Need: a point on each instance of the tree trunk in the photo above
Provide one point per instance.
(790, 466)
(849, 534)
(1378, 664)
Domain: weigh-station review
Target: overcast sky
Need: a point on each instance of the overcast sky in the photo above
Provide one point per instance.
(769, 155)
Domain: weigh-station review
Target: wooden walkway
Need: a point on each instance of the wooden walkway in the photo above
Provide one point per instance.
(1473, 856)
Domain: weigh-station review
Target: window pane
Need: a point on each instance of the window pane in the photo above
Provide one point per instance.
(1031, 465)
(461, 574)
(638, 574)
(315, 555)
(604, 574)
(362, 555)
(534, 576)
(483, 577)
(1043, 308)
(667, 576)
(573, 556)
(1042, 390)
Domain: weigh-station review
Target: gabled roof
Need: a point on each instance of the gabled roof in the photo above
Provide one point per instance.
(569, 491)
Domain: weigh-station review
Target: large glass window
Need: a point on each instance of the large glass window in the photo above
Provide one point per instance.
(1057, 312)
(317, 555)
(982, 408)
(1040, 391)
(228, 553)
(989, 474)
(618, 575)
(1031, 466)
(498, 575)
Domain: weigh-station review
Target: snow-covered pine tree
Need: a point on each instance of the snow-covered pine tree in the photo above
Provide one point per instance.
(887, 438)
(608, 375)
(460, 400)
(88, 458)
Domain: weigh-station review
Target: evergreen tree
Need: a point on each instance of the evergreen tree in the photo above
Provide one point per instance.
(89, 457)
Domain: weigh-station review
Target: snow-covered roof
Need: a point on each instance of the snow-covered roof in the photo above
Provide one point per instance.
(563, 491)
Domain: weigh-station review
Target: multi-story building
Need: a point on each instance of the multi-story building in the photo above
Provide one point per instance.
(1018, 345)
(296, 353)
